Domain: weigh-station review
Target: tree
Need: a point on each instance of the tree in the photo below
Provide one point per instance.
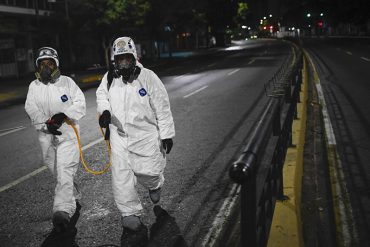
(242, 12)
(220, 15)
(104, 20)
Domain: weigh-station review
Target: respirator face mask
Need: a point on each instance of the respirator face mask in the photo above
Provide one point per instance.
(47, 71)
(125, 65)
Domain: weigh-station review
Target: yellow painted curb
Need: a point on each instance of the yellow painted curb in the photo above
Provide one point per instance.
(8, 95)
(92, 78)
(286, 227)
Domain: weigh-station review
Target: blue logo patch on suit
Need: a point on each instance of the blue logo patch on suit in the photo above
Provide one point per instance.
(64, 98)
(142, 92)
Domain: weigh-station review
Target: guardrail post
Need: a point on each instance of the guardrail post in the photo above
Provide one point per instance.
(288, 91)
(243, 172)
(248, 213)
(278, 160)
(290, 135)
(276, 122)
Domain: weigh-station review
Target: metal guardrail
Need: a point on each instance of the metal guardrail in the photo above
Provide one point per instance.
(257, 206)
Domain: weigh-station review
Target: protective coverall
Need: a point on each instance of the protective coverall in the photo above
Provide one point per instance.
(60, 153)
(141, 118)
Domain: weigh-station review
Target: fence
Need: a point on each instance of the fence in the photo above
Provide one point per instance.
(257, 206)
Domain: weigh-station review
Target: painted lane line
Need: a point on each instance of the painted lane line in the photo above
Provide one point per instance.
(342, 209)
(20, 180)
(222, 216)
(232, 72)
(366, 59)
(349, 53)
(92, 143)
(180, 76)
(251, 61)
(41, 169)
(11, 130)
(328, 126)
(211, 65)
(196, 91)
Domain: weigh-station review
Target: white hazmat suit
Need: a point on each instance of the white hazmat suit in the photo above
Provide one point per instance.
(141, 118)
(60, 153)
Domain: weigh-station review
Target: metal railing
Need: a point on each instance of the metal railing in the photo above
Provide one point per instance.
(260, 192)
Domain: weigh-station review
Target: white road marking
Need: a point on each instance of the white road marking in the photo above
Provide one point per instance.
(252, 61)
(39, 170)
(19, 180)
(180, 76)
(92, 143)
(328, 126)
(366, 59)
(97, 211)
(337, 176)
(349, 53)
(223, 214)
(211, 65)
(11, 130)
(196, 91)
(232, 72)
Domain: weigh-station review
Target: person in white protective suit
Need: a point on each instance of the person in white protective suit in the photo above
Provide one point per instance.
(134, 105)
(52, 98)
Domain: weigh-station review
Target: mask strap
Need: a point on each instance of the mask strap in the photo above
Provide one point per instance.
(38, 76)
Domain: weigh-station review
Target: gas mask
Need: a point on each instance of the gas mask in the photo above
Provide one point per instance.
(125, 66)
(46, 74)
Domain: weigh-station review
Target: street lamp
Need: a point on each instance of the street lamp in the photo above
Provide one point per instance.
(308, 15)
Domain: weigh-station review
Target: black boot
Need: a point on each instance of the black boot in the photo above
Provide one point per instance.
(64, 231)
(60, 221)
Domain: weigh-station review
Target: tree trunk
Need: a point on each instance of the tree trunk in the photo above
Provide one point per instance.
(106, 52)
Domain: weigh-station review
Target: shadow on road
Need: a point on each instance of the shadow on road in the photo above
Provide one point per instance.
(165, 232)
(66, 238)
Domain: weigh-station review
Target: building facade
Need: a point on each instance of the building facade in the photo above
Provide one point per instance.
(20, 25)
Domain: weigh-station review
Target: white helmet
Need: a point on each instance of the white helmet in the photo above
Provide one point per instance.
(124, 45)
(47, 52)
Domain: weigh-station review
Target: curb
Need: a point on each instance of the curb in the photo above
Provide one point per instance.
(20, 96)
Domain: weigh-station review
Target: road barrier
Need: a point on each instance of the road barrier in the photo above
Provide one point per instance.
(262, 181)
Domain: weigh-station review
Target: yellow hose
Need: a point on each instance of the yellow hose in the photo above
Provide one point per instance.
(106, 167)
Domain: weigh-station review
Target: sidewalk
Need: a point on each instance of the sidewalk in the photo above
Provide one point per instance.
(13, 91)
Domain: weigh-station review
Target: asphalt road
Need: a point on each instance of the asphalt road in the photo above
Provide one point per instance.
(343, 66)
(215, 100)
